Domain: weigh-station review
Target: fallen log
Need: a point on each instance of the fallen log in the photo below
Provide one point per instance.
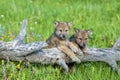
(36, 53)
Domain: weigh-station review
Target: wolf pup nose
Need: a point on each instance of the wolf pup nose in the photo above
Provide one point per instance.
(64, 36)
(82, 45)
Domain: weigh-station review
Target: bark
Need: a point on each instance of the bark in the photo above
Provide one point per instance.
(35, 52)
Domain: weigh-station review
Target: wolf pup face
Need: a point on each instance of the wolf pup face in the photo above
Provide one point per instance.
(62, 29)
(81, 37)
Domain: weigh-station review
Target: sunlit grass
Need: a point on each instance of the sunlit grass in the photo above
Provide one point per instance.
(100, 16)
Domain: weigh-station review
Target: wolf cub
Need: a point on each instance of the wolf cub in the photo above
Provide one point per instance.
(60, 40)
(80, 39)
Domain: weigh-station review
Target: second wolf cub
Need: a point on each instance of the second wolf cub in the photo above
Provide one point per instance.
(60, 40)
(80, 39)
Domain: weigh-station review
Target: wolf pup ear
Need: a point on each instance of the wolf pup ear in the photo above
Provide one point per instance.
(76, 30)
(89, 32)
(56, 24)
(69, 24)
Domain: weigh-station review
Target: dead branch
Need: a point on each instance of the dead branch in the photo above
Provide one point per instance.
(35, 53)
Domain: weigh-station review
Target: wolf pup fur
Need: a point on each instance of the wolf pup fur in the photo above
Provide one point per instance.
(60, 40)
(80, 39)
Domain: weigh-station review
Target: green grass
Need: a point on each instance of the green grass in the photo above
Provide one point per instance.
(101, 16)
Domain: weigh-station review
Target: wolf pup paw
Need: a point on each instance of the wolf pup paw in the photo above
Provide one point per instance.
(74, 49)
(77, 60)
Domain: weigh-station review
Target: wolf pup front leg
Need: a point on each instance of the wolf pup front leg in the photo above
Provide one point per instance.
(69, 53)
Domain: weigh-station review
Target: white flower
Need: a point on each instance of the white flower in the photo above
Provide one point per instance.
(2, 15)
(35, 22)
(31, 28)
(31, 1)
(20, 22)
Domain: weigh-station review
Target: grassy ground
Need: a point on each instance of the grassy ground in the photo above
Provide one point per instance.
(101, 16)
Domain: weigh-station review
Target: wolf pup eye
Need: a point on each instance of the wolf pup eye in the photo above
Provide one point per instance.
(86, 38)
(80, 38)
(60, 30)
(66, 30)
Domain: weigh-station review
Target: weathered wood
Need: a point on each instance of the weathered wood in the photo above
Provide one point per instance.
(35, 53)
